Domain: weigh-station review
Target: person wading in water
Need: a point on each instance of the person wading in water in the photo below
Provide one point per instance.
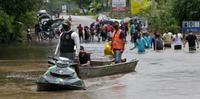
(192, 42)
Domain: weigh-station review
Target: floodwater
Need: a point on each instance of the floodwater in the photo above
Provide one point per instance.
(166, 74)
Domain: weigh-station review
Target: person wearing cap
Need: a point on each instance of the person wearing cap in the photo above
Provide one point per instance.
(84, 57)
(68, 41)
(192, 42)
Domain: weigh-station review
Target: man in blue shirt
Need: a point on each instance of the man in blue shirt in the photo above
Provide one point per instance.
(141, 44)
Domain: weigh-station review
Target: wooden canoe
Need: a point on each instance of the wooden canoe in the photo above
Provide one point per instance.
(105, 68)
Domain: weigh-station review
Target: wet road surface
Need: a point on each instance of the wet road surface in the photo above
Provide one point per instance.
(165, 74)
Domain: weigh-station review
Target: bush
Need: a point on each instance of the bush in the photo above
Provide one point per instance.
(75, 11)
(15, 16)
(29, 19)
(164, 19)
(6, 27)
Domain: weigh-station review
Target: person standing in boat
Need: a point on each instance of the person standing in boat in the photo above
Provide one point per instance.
(118, 42)
(67, 42)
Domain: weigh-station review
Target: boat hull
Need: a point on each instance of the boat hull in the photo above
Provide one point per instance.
(106, 69)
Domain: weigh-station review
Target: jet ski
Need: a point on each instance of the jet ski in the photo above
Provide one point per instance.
(60, 75)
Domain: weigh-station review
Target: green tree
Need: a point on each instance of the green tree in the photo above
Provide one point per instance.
(95, 7)
(18, 8)
(6, 27)
(186, 10)
(54, 6)
(164, 20)
(83, 4)
(15, 15)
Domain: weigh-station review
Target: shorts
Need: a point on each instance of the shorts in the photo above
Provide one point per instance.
(177, 47)
(167, 45)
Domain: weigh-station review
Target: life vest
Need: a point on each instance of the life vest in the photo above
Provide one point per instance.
(67, 43)
(117, 42)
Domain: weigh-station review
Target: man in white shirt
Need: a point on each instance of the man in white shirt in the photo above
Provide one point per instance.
(177, 41)
(68, 41)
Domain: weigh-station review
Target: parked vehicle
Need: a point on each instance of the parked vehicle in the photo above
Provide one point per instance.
(51, 28)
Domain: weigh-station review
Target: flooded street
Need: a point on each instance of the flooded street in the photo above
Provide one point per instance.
(167, 74)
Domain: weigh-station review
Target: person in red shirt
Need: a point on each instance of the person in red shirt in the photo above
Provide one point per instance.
(80, 32)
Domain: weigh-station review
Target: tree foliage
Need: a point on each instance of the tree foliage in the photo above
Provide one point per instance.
(6, 27)
(87, 6)
(15, 15)
(54, 6)
(186, 10)
(94, 7)
(169, 14)
(164, 20)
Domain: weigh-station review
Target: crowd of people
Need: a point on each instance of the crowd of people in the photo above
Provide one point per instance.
(143, 40)
(100, 29)
(159, 42)
(116, 34)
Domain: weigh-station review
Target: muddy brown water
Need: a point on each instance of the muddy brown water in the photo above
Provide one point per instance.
(165, 74)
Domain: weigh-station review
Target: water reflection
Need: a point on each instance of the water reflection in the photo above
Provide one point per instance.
(25, 52)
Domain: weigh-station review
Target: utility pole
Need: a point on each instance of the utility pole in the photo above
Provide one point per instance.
(152, 8)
